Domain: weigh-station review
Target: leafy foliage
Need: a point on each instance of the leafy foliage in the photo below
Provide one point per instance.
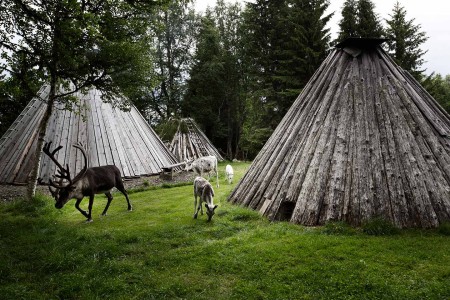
(174, 28)
(77, 45)
(439, 87)
(16, 90)
(95, 43)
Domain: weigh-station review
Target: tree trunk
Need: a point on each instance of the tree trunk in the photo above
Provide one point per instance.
(33, 177)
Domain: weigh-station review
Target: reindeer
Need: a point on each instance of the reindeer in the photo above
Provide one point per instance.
(229, 173)
(88, 182)
(204, 164)
(204, 190)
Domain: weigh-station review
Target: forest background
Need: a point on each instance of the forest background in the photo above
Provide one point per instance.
(236, 69)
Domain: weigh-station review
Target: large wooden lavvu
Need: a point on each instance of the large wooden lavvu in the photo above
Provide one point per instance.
(111, 137)
(363, 140)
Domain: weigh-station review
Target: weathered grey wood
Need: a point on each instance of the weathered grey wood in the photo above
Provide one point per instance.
(362, 140)
(192, 144)
(111, 136)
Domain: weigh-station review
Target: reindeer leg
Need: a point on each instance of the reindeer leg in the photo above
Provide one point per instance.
(195, 206)
(91, 202)
(77, 206)
(110, 197)
(121, 188)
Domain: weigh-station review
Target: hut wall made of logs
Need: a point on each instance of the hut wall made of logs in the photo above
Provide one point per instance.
(110, 135)
(363, 140)
(190, 142)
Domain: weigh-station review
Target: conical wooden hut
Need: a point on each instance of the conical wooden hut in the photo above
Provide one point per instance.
(189, 142)
(111, 136)
(363, 140)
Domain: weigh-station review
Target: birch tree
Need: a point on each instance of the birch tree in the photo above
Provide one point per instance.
(77, 45)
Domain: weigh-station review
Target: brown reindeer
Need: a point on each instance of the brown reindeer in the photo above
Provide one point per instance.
(88, 182)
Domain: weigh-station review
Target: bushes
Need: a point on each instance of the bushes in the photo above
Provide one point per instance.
(379, 226)
(338, 228)
(444, 228)
(375, 226)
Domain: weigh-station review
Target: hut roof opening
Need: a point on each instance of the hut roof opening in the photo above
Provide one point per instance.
(111, 136)
(363, 140)
(189, 142)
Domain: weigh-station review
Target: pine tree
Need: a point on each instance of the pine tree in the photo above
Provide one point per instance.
(404, 41)
(359, 20)
(348, 26)
(205, 90)
(368, 22)
(284, 43)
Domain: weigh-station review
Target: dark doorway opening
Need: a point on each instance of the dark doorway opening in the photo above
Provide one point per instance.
(285, 211)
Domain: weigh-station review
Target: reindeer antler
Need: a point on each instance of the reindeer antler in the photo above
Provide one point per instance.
(63, 173)
(80, 175)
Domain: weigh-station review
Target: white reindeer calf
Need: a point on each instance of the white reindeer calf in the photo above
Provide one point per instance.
(204, 190)
(229, 173)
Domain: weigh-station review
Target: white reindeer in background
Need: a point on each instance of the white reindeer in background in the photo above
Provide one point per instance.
(229, 173)
(204, 164)
(204, 190)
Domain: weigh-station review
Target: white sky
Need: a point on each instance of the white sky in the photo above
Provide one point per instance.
(432, 15)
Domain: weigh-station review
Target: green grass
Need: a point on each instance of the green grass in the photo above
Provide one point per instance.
(158, 251)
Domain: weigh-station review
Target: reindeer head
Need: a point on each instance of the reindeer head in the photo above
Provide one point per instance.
(53, 192)
(207, 196)
(188, 166)
(64, 191)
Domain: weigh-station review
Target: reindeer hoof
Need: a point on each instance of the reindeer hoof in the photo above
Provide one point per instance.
(195, 216)
(89, 221)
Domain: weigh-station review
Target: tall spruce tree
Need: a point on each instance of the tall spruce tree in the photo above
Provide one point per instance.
(405, 40)
(359, 20)
(215, 78)
(369, 24)
(228, 20)
(439, 87)
(348, 25)
(284, 43)
(205, 90)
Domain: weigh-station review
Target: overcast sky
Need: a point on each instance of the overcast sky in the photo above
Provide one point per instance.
(433, 16)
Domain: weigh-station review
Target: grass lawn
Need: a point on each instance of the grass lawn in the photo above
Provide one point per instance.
(158, 251)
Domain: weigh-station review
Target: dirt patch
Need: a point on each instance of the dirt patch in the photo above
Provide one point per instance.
(10, 192)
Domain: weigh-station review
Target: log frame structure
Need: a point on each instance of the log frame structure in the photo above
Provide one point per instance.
(363, 140)
(190, 142)
(110, 136)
